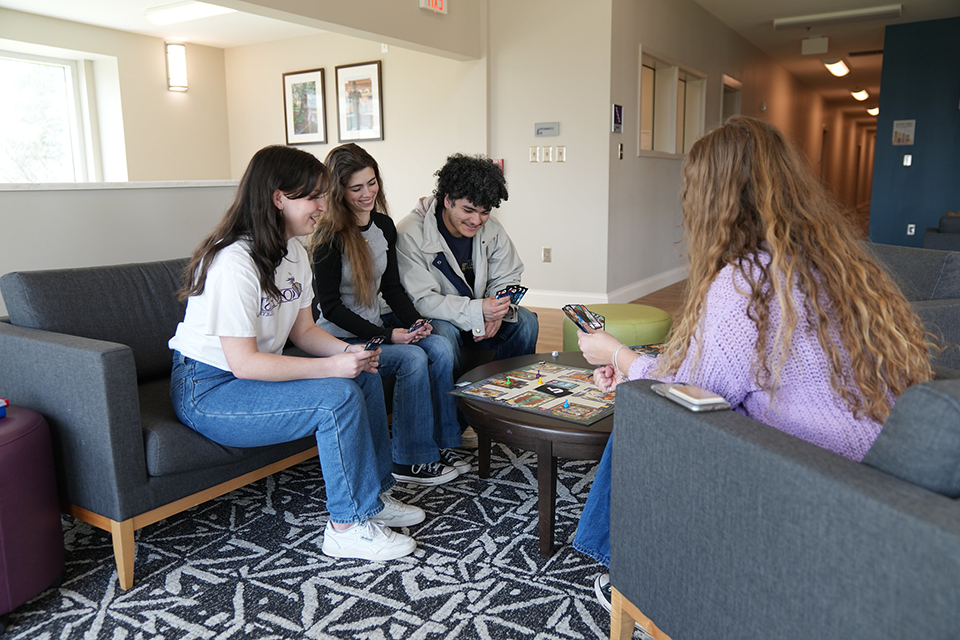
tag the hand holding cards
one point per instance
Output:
(373, 343)
(416, 325)
(515, 291)
(585, 319)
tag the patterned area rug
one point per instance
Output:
(248, 565)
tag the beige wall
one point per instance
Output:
(87, 227)
(549, 62)
(433, 106)
(643, 252)
(169, 136)
(457, 34)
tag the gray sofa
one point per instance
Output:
(930, 280)
(723, 527)
(87, 348)
(945, 236)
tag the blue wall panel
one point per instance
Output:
(920, 81)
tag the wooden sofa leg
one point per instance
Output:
(623, 615)
(124, 550)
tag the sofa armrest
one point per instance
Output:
(724, 527)
(87, 391)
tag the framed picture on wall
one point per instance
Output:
(359, 102)
(304, 107)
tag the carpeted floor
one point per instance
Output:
(248, 565)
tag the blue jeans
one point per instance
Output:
(347, 418)
(514, 338)
(593, 532)
(424, 414)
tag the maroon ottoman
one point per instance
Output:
(31, 540)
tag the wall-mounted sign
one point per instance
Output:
(541, 129)
(618, 118)
(903, 132)
(437, 6)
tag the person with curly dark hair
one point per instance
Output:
(454, 258)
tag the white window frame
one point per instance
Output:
(75, 111)
(731, 92)
(676, 125)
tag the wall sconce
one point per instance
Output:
(859, 94)
(176, 66)
(874, 111)
(836, 66)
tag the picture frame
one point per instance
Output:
(305, 107)
(359, 101)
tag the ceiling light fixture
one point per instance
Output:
(874, 111)
(859, 94)
(183, 11)
(837, 17)
(836, 66)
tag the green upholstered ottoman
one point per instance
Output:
(631, 324)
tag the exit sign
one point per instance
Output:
(437, 6)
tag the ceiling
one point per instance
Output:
(753, 19)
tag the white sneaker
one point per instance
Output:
(451, 458)
(368, 540)
(398, 514)
(469, 439)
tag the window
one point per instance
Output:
(671, 106)
(41, 140)
(730, 100)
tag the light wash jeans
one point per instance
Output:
(514, 338)
(347, 418)
(593, 532)
(424, 414)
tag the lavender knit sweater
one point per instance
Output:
(806, 405)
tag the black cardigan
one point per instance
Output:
(327, 272)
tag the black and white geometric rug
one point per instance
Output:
(248, 565)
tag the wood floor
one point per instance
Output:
(670, 299)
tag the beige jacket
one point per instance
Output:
(424, 260)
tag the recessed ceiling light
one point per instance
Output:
(874, 111)
(859, 94)
(836, 66)
(183, 11)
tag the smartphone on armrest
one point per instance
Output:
(691, 396)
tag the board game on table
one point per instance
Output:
(550, 389)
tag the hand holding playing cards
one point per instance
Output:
(606, 378)
(495, 308)
(598, 348)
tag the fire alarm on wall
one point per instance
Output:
(437, 6)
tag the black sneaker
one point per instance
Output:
(426, 474)
(451, 458)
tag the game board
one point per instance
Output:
(548, 388)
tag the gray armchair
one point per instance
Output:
(87, 348)
(723, 527)
(930, 280)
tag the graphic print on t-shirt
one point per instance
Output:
(288, 294)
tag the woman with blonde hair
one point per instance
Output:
(355, 262)
(787, 316)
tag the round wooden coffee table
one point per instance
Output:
(548, 437)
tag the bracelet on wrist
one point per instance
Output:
(346, 347)
(616, 367)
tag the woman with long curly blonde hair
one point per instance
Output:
(786, 316)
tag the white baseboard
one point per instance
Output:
(548, 299)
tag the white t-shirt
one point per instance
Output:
(232, 305)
